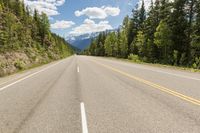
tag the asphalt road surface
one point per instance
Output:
(83, 94)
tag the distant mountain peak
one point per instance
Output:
(83, 41)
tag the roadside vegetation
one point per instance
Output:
(26, 39)
(168, 33)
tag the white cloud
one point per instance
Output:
(47, 6)
(89, 26)
(98, 13)
(62, 24)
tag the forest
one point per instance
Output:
(167, 33)
(26, 39)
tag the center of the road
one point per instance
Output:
(78, 69)
(83, 118)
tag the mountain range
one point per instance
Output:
(82, 41)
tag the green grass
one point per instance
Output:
(157, 65)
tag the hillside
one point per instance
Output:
(167, 33)
(26, 39)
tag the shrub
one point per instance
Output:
(19, 65)
(183, 59)
(196, 63)
(175, 57)
(134, 58)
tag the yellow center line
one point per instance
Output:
(154, 85)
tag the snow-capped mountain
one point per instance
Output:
(81, 41)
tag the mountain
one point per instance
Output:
(82, 41)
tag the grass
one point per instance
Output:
(157, 65)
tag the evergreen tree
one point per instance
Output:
(125, 37)
(36, 16)
(151, 24)
(92, 48)
(44, 27)
(111, 44)
(142, 16)
(165, 8)
(135, 27)
(123, 41)
(163, 39)
(18, 8)
(140, 43)
(195, 43)
(178, 25)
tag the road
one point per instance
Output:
(83, 94)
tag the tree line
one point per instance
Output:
(168, 33)
(22, 30)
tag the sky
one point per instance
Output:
(77, 17)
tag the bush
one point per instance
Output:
(19, 65)
(134, 58)
(175, 57)
(145, 59)
(196, 64)
(183, 59)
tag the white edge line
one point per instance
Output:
(31, 75)
(83, 118)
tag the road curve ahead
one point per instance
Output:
(84, 94)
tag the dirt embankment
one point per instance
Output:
(11, 62)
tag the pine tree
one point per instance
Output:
(44, 27)
(139, 17)
(92, 48)
(142, 15)
(178, 25)
(126, 37)
(36, 16)
(18, 8)
(123, 41)
(140, 43)
(135, 27)
(165, 8)
(195, 43)
(111, 45)
(101, 44)
(163, 39)
(151, 24)
(135, 20)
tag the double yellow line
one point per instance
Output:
(154, 85)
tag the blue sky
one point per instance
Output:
(75, 17)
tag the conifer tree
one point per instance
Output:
(163, 39)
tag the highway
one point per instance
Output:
(83, 94)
